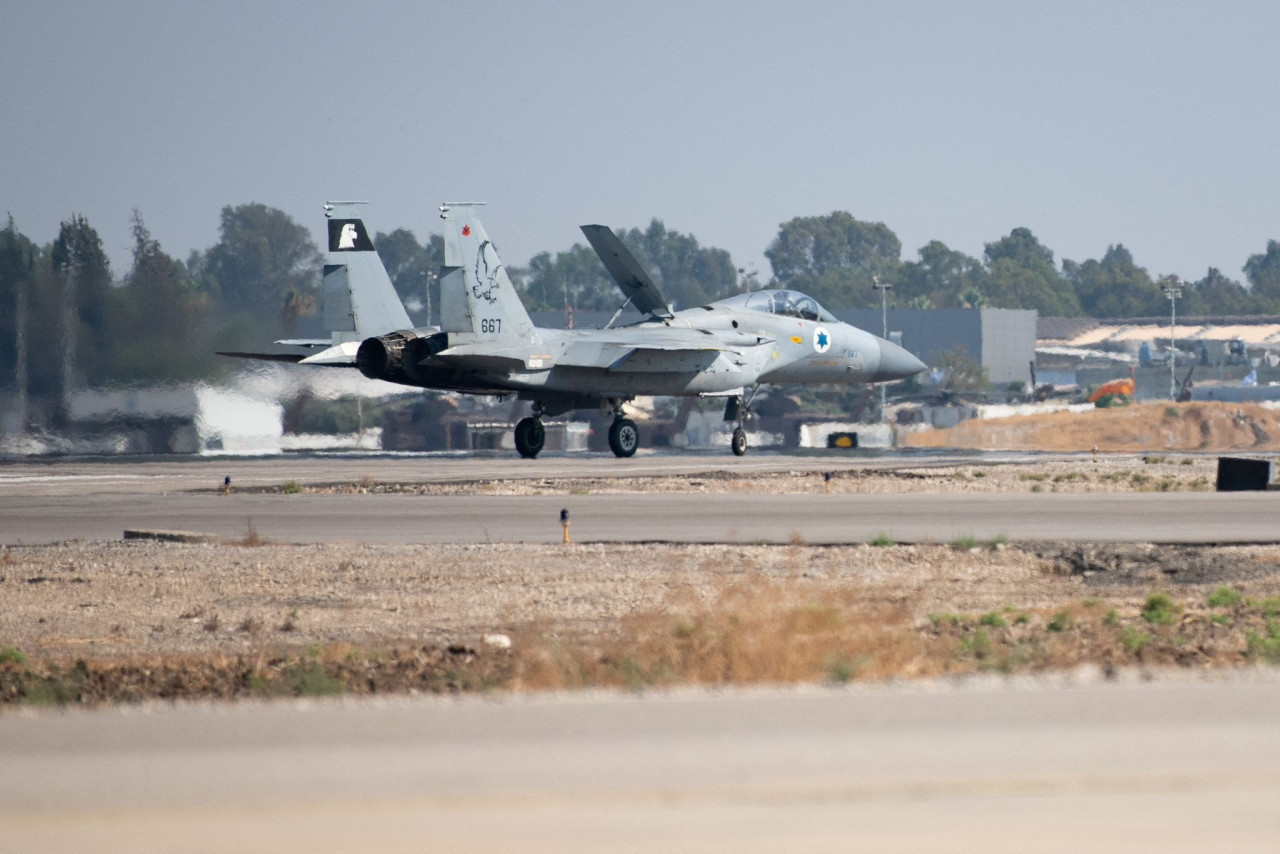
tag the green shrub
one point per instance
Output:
(291, 487)
(1061, 621)
(1160, 610)
(977, 644)
(881, 539)
(1265, 646)
(1225, 597)
(992, 619)
(12, 655)
(1134, 639)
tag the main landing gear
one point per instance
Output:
(530, 436)
(624, 438)
(739, 409)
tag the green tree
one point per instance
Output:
(834, 258)
(87, 297)
(19, 267)
(414, 269)
(688, 274)
(942, 278)
(1215, 294)
(263, 268)
(1021, 274)
(575, 276)
(1115, 286)
(960, 372)
(1263, 273)
(162, 329)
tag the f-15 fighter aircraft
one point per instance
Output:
(486, 343)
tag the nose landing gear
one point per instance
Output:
(738, 409)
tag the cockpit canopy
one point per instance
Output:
(786, 303)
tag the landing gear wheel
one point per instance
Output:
(624, 438)
(530, 436)
(739, 442)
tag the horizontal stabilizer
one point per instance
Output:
(266, 357)
(305, 342)
(339, 356)
(633, 279)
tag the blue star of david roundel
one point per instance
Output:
(821, 340)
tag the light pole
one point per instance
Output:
(1172, 291)
(884, 329)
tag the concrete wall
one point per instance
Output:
(1008, 344)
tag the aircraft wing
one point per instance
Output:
(633, 279)
(677, 358)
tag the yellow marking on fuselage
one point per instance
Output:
(796, 339)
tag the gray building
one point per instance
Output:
(1002, 339)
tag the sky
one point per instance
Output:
(1152, 124)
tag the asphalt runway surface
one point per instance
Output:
(994, 768)
(42, 503)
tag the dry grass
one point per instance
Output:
(758, 630)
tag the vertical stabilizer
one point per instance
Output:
(359, 299)
(476, 295)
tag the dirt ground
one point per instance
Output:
(1144, 427)
(91, 622)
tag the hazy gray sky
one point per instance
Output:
(1153, 124)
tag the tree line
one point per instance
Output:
(68, 321)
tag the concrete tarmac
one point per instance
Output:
(991, 767)
(125, 475)
(819, 518)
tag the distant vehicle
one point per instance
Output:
(486, 343)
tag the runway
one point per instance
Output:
(693, 518)
(139, 476)
(988, 768)
(51, 501)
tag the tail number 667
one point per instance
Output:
(490, 326)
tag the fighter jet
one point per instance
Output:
(486, 343)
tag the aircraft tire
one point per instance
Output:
(530, 436)
(739, 442)
(624, 438)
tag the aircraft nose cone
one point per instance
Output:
(895, 363)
